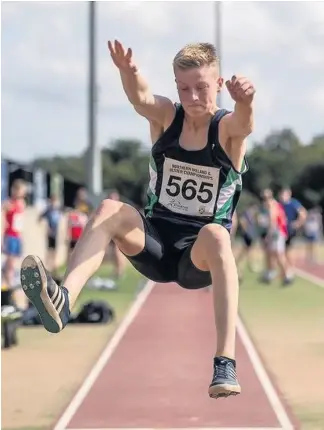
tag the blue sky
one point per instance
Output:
(279, 45)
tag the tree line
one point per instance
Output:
(280, 160)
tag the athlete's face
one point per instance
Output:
(198, 88)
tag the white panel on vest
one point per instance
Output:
(189, 189)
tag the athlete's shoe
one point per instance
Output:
(224, 381)
(50, 300)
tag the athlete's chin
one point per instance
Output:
(196, 110)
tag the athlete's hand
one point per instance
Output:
(122, 59)
(241, 89)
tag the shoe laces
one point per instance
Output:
(224, 369)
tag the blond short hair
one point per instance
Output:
(196, 55)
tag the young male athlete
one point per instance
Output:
(197, 159)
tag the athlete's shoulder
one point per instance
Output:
(222, 115)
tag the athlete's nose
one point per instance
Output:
(194, 96)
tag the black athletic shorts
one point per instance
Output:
(290, 238)
(248, 240)
(72, 244)
(51, 242)
(263, 236)
(166, 255)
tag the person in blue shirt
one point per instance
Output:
(52, 215)
(296, 216)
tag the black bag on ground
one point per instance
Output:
(98, 312)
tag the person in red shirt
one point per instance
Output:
(275, 239)
(78, 217)
(13, 211)
(76, 223)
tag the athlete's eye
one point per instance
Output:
(202, 87)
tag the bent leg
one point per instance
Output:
(112, 220)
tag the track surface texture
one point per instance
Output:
(159, 372)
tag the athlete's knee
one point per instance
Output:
(116, 216)
(109, 213)
(106, 210)
(215, 238)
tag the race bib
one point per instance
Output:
(188, 188)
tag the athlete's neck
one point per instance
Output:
(200, 121)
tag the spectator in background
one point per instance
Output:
(13, 212)
(248, 225)
(52, 215)
(263, 224)
(82, 203)
(313, 230)
(78, 218)
(296, 216)
(275, 239)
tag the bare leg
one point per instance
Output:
(18, 297)
(51, 260)
(240, 256)
(118, 262)
(112, 220)
(289, 261)
(9, 270)
(212, 251)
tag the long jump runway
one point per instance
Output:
(155, 372)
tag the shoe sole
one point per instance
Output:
(34, 283)
(223, 390)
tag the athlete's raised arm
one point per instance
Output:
(155, 108)
(239, 124)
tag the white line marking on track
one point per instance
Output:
(192, 428)
(263, 377)
(309, 277)
(104, 357)
(113, 344)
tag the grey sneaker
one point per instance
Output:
(224, 382)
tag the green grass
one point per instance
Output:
(23, 428)
(301, 300)
(286, 324)
(120, 297)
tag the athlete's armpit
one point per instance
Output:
(156, 131)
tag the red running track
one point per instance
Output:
(158, 375)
